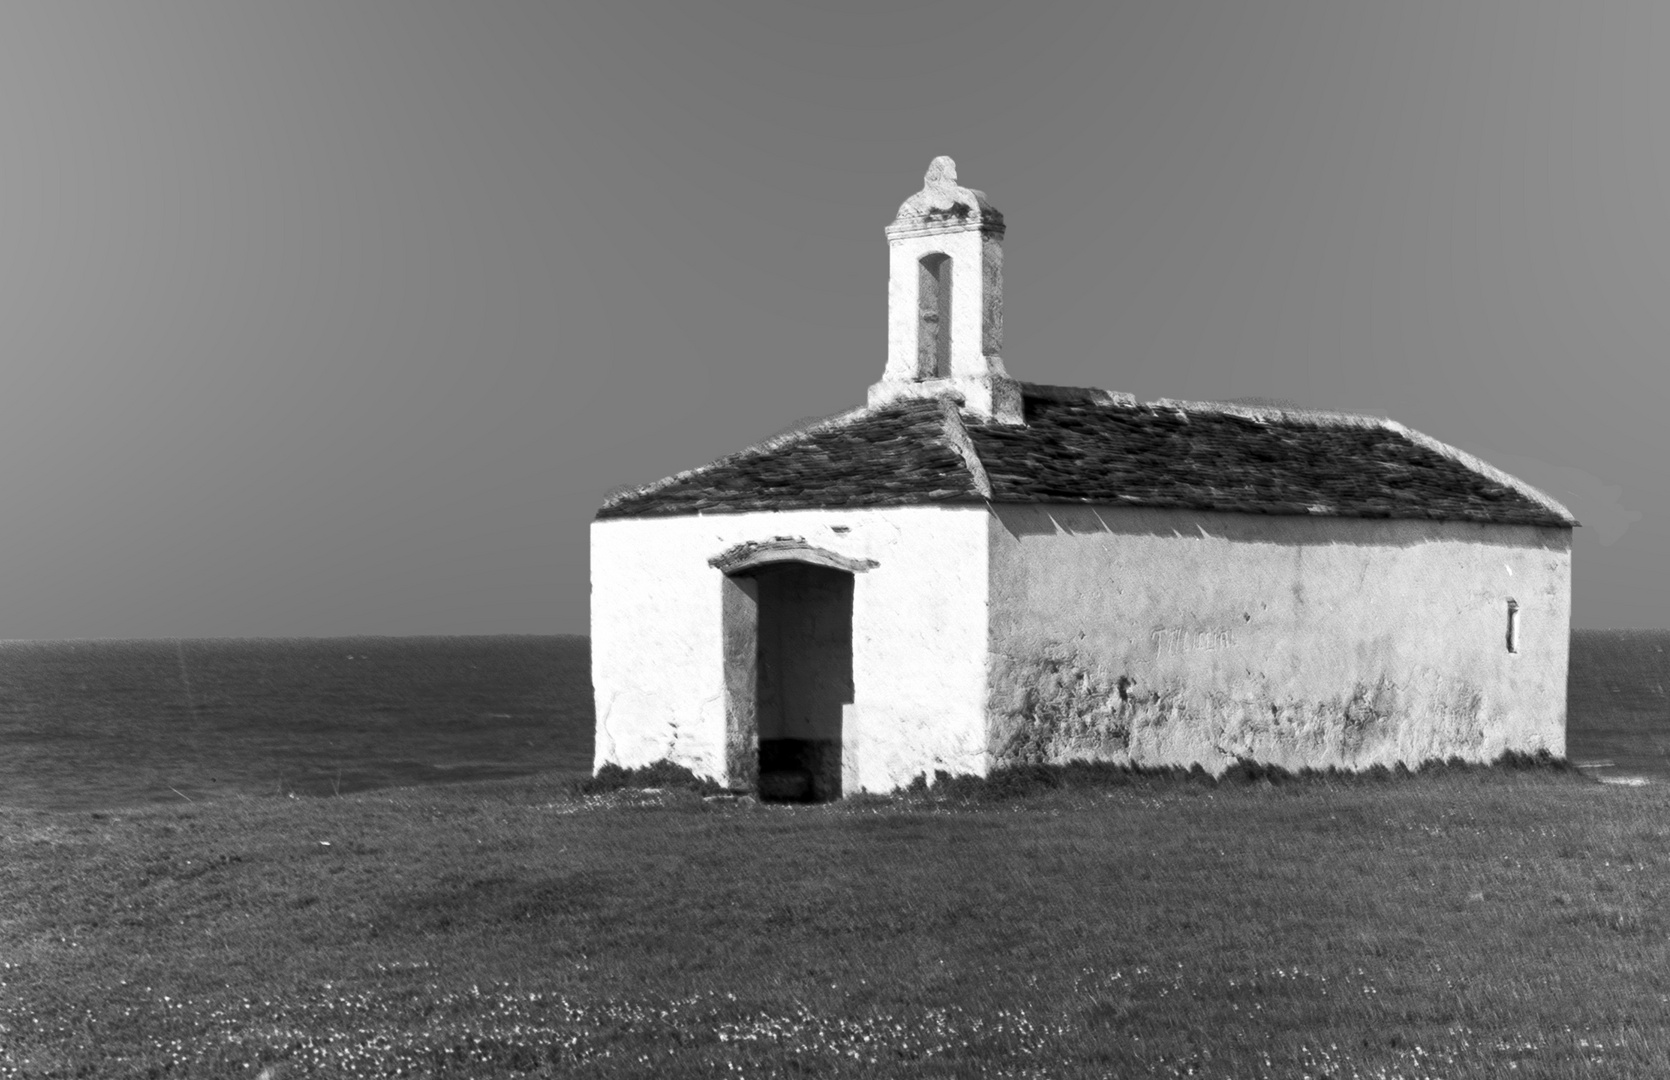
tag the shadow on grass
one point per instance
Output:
(660, 775)
(1023, 781)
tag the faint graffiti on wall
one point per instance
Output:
(1175, 640)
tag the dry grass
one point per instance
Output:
(1458, 923)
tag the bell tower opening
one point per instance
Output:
(933, 335)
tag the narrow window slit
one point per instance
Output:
(1513, 626)
(933, 338)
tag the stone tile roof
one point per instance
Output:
(1090, 446)
(890, 456)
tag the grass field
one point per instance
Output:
(1475, 923)
(1455, 923)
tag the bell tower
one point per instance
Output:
(945, 300)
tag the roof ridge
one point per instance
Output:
(1092, 395)
(1483, 468)
(764, 446)
(956, 433)
(1266, 413)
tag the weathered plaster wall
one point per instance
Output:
(918, 629)
(1174, 637)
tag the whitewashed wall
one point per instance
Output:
(1175, 637)
(919, 637)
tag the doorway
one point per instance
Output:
(788, 675)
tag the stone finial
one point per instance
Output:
(942, 172)
(943, 205)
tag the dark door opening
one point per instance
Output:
(791, 680)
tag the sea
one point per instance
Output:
(111, 723)
(97, 724)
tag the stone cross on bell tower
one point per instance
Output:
(945, 300)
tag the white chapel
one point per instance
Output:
(970, 571)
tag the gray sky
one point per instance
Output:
(343, 316)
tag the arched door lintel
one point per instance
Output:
(754, 554)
